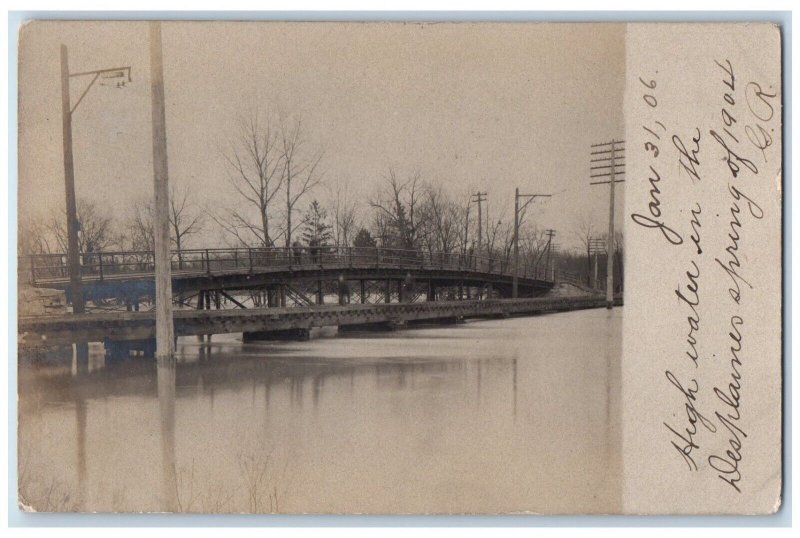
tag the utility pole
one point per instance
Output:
(519, 215)
(466, 228)
(607, 165)
(596, 246)
(550, 234)
(73, 256)
(165, 333)
(479, 198)
(67, 110)
(556, 250)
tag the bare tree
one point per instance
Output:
(443, 219)
(96, 229)
(301, 170)
(185, 219)
(463, 232)
(585, 231)
(33, 237)
(344, 216)
(140, 227)
(398, 210)
(497, 235)
(255, 159)
(532, 244)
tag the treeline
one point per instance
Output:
(282, 198)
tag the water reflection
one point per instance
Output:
(502, 415)
(166, 403)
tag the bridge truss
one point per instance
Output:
(206, 279)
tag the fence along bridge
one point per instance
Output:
(280, 293)
(281, 277)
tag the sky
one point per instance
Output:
(470, 106)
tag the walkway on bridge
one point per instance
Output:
(303, 276)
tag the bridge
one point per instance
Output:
(282, 277)
(282, 294)
(138, 328)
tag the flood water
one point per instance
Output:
(514, 415)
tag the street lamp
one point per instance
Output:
(122, 75)
(519, 214)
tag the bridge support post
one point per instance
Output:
(320, 296)
(431, 296)
(363, 293)
(460, 291)
(388, 292)
(200, 303)
(282, 290)
(400, 294)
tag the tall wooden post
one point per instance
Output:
(73, 254)
(165, 381)
(480, 222)
(165, 334)
(611, 171)
(610, 244)
(515, 281)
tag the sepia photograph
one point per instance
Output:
(369, 268)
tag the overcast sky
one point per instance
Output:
(471, 106)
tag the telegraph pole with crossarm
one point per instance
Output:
(479, 198)
(606, 161)
(123, 76)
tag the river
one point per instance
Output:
(511, 415)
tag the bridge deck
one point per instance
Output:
(68, 329)
(110, 274)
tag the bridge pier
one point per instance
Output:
(380, 326)
(453, 320)
(274, 298)
(297, 334)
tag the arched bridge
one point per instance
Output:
(258, 277)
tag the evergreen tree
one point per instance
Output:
(364, 239)
(316, 230)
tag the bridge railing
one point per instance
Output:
(103, 265)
